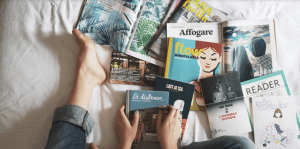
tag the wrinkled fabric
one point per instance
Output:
(38, 64)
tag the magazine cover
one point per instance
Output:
(275, 125)
(125, 69)
(147, 103)
(209, 32)
(249, 48)
(188, 11)
(116, 23)
(180, 96)
(225, 105)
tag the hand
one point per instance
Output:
(88, 66)
(124, 130)
(93, 146)
(168, 132)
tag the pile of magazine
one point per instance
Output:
(229, 67)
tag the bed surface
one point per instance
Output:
(38, 59)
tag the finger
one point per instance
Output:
(135, 120)
(171, 113)
(79, 36)
(177, 114)
(93, 146)
(158, 120)
(122, 117)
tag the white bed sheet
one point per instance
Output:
(38, 60)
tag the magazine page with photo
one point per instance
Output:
(275, 125)
(249, 48)
(126, 69)
(225, 105)
(188, 11)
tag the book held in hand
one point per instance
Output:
(148, 104)
(275, 125)
(180, 94)
(226, 110)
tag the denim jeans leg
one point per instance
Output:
(225, 142)
(71, 124)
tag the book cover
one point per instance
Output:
(249, 48)
(225, 105)
(275, 125)
(126, 69)
(273, 84)
(188, 11)
(191, 60)
(180, 94)
(147, 103)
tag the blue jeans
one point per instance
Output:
(71, 124)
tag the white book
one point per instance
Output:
(275, 125)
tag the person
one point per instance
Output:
(72, 122)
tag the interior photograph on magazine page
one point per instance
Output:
(126, 69)
(249, 48)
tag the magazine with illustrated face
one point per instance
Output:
(275, 125)
(225, 105)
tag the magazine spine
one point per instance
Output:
(168, 58)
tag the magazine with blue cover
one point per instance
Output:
(123, 25)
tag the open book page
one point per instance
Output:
(148, 23)
(110, 22)
(188, 11)
(249, 48)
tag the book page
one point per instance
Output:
(109, 22)
(152, 14)
(249, 48)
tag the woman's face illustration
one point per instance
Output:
(209, 60)
(277, 115)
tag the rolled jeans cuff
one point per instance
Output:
(75, 115)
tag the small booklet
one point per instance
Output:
(123, 25)
(180, 96)
(226, 110)
(126, 69)
(275, 125)
(147, 103)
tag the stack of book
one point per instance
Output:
(197, 59)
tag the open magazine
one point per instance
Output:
(124, 25)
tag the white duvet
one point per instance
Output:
(38, 60)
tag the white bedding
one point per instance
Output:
(38, 60)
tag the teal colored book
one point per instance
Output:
(148, 104)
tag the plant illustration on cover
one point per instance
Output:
(109, 22)
(151, 17)
(276, 133)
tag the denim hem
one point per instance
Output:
(75, 115)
